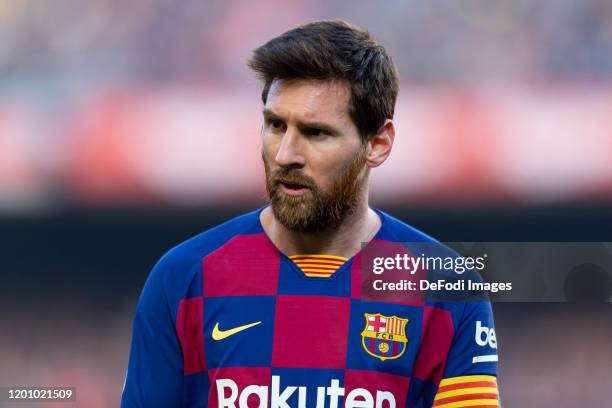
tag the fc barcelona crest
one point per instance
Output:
(384, 337)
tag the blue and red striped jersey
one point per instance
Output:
(227, 320)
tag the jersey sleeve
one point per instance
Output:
(470, 376)
(155, 370)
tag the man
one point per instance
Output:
(268, 309)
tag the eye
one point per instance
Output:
(311, 131)
(276, 124)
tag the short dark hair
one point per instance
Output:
(334, 50)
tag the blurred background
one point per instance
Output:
(127, 127)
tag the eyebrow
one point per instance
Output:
(268, 114)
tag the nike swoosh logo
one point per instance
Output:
(218, 334)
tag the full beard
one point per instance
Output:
(316, 210)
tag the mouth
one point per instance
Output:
(293, 189)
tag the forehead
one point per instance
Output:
(310, 99)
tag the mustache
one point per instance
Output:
(292, 176)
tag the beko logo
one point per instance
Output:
(485, 336)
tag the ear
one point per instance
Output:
(380, 144)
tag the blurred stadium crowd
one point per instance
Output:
(441, 40)
(112, 102)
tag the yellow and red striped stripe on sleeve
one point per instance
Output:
(474, 391)
(315, 265)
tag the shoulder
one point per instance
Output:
(177, 274)
(441, 263)
(393, 229)
(197, 247)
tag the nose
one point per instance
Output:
(289, 152)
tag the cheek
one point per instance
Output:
(269, 145)
(326, 168)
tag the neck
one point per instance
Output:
(359, 226)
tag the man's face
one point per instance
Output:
(313, 155)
